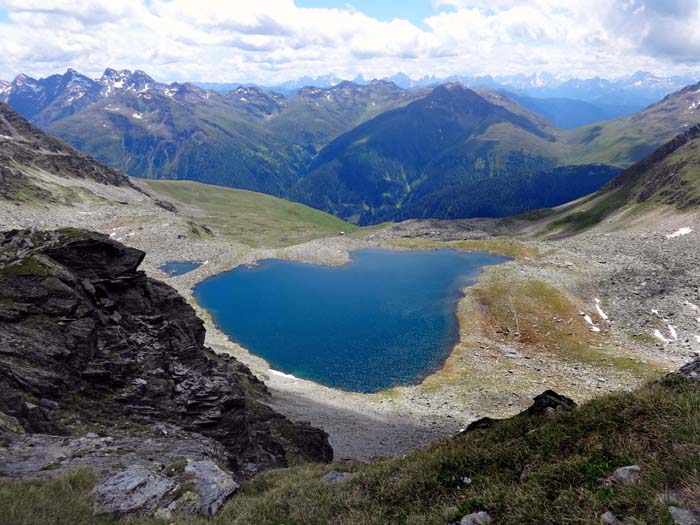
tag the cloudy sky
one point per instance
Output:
(269, 41)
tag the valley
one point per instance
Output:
(600, 297)
(539, 340)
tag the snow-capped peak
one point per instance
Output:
(115, 81)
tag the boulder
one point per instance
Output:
(212, 485)
(136, 490)
(9, 424)
(481, 423)
(690, 370)
(549, 402)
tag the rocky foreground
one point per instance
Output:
(104, 367)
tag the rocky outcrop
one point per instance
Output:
(548, 403)
(88, 342)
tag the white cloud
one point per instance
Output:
(273, 40)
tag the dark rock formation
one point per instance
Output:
(545, 404)
(690, 370)
(549, 402)
(89, 342)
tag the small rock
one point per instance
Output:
(609, 519)
(476, 518)
(91, 435)
(670, 497)
(466, 480)
(626, 474)
(684, 516)
(336, 477)
(163, 514)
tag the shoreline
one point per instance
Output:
(460, 293)
(472, 382)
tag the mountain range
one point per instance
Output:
(568, 103)
(365, 152)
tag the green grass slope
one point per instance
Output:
(670, 176)
(253, 218)
(536, 470)
(624, 141)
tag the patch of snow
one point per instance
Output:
(672, 331)
(697, 338)
(680, 233)
(112, 235)
(656, 313)
(660, 337)
(600, 311)
(588, 319)
(137, 115)
(282, 374)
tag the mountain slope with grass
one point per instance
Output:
(42, 175)
(628, 456)
(624, 141)
(183, 133)
(449, 154)
(669, 177)
(26, 151)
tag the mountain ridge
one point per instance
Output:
(259, 140)
(438, 144)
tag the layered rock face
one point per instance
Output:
(88, 343)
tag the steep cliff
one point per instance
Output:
(88, 342)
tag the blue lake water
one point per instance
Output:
(174, 268)
(387, 318)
